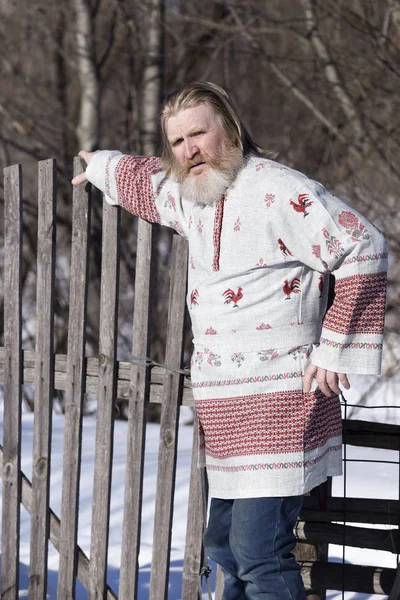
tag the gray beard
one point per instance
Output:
(207, 189)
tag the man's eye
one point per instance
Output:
(176, 143)
(198, 132)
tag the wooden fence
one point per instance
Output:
(139, 382)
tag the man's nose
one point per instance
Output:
(191, 148)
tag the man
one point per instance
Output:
(268, 356)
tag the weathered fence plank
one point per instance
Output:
(12, 382)
(105, 402)
(44, 375)
(169, 425)
(74, 392)
(219, 585)
(193, 559)
(139, 392)
(54, 535)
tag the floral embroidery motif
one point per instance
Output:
(212, 358)
(170, 201)
(298, 351)
(237, 225)
(210, 331)
(316, 250)
(262, 326)
(190, 222)
(333, 244)
(197, 360)
(353, 226)
(238, 358)
(269, 199)
(200, 226)
(268, 354)
(177, 226)
(259, 166)
(192, 265)
(261, 263)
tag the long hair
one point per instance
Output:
(215, 96)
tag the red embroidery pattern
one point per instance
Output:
(333, 244)
(194, 297)
(283, 248)
(244, 380)
(261, 263)
(210, 331)
(275, 423)
(231, 296)
(354, 345)
(269, 199)
(291, 288)
(134, 187)
(237, 225)
(219, 215)
(293, 464)
(366, 258)
(263, 326)
(303, 202)
(359, 305)
(177, 226)
(353, 226)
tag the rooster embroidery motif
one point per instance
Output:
(194, 297)
(303, 202)
(284, 249)
(231, 296)
(291, 288)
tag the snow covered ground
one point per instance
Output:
(369, 480)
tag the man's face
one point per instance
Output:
(197, 140)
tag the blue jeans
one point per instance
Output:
(251, 539)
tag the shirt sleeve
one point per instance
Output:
(330, 237)
(126, 181)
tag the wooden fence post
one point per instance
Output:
(105, 402)
(172, 391)
(12, 382)
(75, 389)
(139, 391)
(44, 377)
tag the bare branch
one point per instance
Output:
(330, 70)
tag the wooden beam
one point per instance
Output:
(352, 578)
